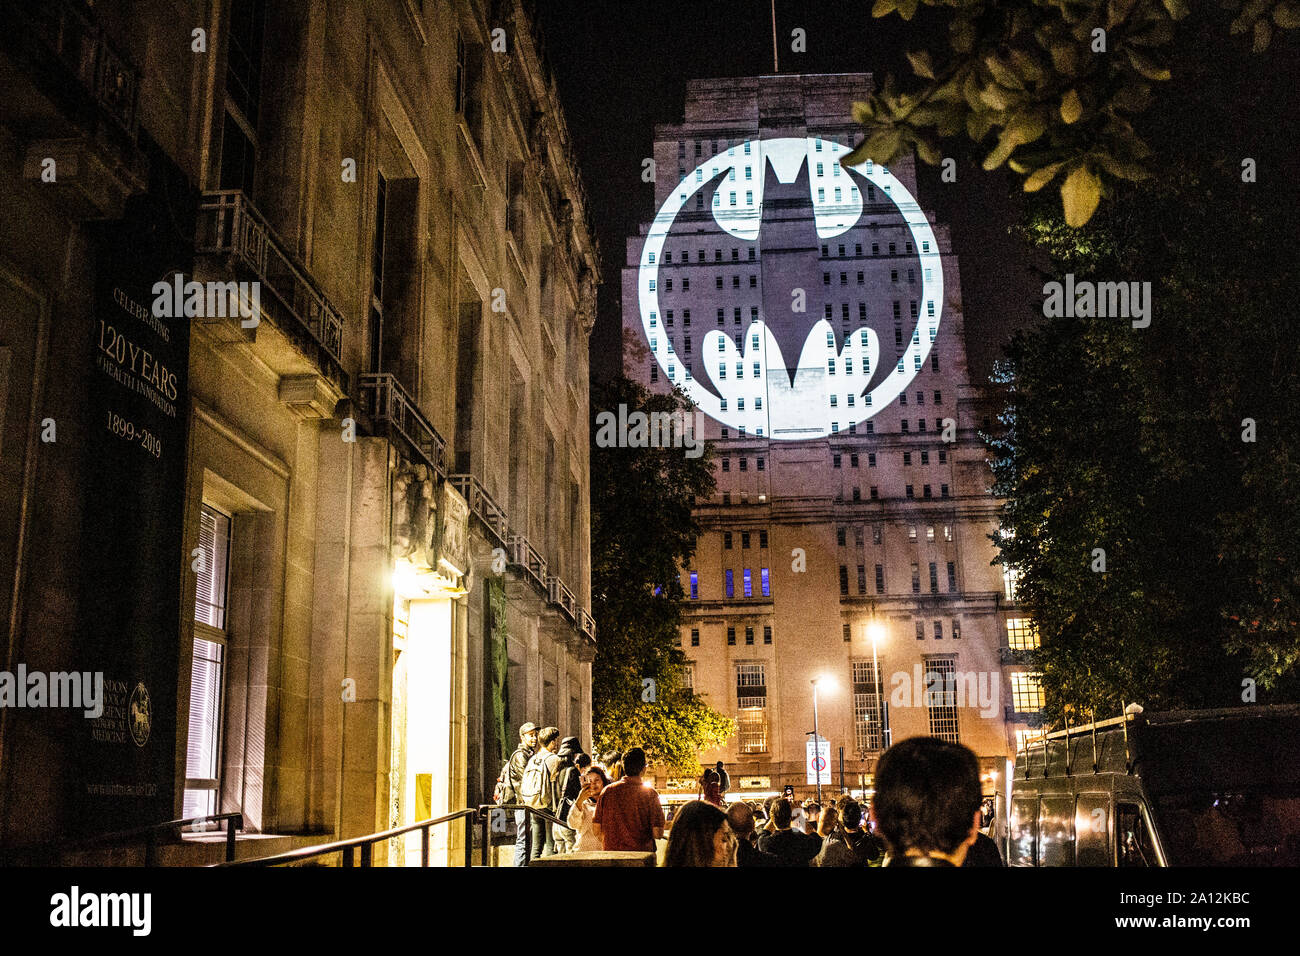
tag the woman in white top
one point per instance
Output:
(584, 808)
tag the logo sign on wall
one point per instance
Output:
(774, 369)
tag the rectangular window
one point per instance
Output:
(844, 579)
(748, 580)
(880, 579)
(952, 577)
(767, 633)
(938, 630)
(920, 630)
(862, 579)
(956, 629)
(730, 582)
(744, 535)
(941, 698)
(916, 578)
(695, 637)
(207, 675)
(1026, 692)
(934, 578)
(695, 586)
(726, 537)
(749, 635)
(731, 637)
(762, 535)
(1022, 634)
(751, 706)
(848, 637)
(765, 582)
(868, 708)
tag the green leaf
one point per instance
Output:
(1287, 14)
(907, 8)
(1080, 194)
(921, 65)
(997, 97)
(1177, 9)
(961, 35)
(1263, 36)
(1022, 128)
(864, 112)
(1121, 168)
(883, 8)
(1003, 73)
(1147, 66)
(883, 146)
(1041, 177)
(1065, 57)
(1071, 107)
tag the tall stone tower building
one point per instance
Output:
(813, 313)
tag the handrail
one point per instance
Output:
(234, 823)
(366, 843)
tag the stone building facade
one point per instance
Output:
(322, 524)
(848, 539)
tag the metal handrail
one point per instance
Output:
(366, 844)
(348, 848)
(234, 823)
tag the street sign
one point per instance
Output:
(818, 762)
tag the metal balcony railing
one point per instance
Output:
(229, 224)
(559, 594)
(586, 623)
(68, 30)
(395, 413)
(483, 507)
(524, 555)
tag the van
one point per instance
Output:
(1180, 788)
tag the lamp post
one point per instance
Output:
(817, 745)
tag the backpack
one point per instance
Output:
(535, 790)
(504, 790)
(568, 784)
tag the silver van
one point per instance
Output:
(1180, 788)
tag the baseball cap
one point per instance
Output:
(527, 728)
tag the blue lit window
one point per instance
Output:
(749, 583)
(766, 585)
(730, 583)
(695, 586)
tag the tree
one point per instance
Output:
(643, 533)
(1057, 83)
(1135, 441)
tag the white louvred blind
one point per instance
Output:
(210, 590)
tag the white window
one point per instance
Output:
(203, 751)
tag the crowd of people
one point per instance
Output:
(926, 810)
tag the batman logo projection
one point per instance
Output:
(781, 360)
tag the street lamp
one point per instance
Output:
(817, 737)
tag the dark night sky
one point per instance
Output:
(622, 67)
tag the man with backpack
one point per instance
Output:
(568, 784)
(511, 780)
(538, 790)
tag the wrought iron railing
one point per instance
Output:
(524, 555)
(385, 400)
(483, 507)
(586, 623)
(229, 224)
(559, 594)
(68, 30)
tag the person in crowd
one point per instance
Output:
(834, 850)
(798, 817)
(613, 762)
(868, 849)
(580, 815)
(629, 815)
(538, 790)
(791, 847)
(724, 779)
(740, 816)
(983, 852)
(567, 781)
(927, 802)
(700, 836)
(711, 789)
(768, 825)
(518, 761)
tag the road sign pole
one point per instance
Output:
(817, 746)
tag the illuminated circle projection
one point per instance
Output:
(797, 407)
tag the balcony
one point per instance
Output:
(71, 96)
(524, 555)
(397, 418)
(232, 228)
(558, 593)
(483, 507)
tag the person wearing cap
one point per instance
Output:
(568, 783)
(518, 760)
